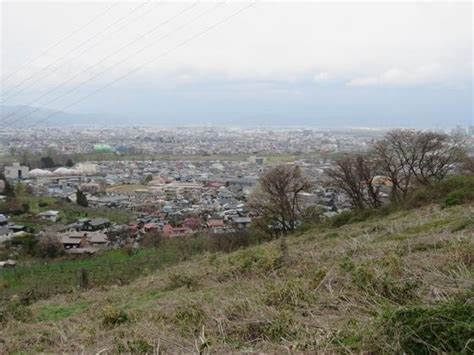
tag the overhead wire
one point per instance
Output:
(181, 12)
(203, 13)
(13, 113)
(181, 44)
(6, 97)
(95, 18)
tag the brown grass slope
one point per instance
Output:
(340, 292)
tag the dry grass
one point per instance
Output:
(332, 296)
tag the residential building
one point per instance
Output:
(16, 172)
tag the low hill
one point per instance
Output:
(24, 116)
(400, 283)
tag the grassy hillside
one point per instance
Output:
(403, 282)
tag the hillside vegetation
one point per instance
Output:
(402, 282)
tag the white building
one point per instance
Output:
(16, 172)
(52, 216)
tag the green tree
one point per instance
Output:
(8, 190)
(69, 163)
(20, 189)
(147, 179)
(47, 162)
(81, 199)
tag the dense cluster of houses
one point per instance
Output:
(182, 140)
(173, 198)
(88, 235)
(176, 198)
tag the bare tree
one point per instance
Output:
(438, 153)
(394, 166)
(277, 198)
(354, 174)
(412, 157)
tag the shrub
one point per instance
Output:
(452, 191)
(445, 328)
(341, 219)
(15, 309)
(289, 294)
(49, 247)
(257, 260)
(354, 216)
(382, 284)
(27, 242)
(128, 249)
(228, 242)
(420, 197)
(13, 207)
(462, 224)
(152, 240)
(42, 204)
(111, 317)
(279, 326)
(189, 317)
(458, 197)
(238, 310)
(181, 280)
(26, 207)
(135, 346)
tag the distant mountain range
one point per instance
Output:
(14, 117)
(24, 116)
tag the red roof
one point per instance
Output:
(150, 226)
(192, 222)
(167, 229)
(215, 223)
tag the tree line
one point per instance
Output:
(405, 159)
(402, 160)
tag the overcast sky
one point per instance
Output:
(313, 63)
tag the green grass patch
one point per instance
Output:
(445, 328)
(53, 313)
(462, 224)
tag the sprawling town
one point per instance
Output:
(176, 182)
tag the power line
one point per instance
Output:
(153, 29)
(125, 59)
(4, 118)
(58, 60)
(95, 18)
(121, 61)
(181, 44)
